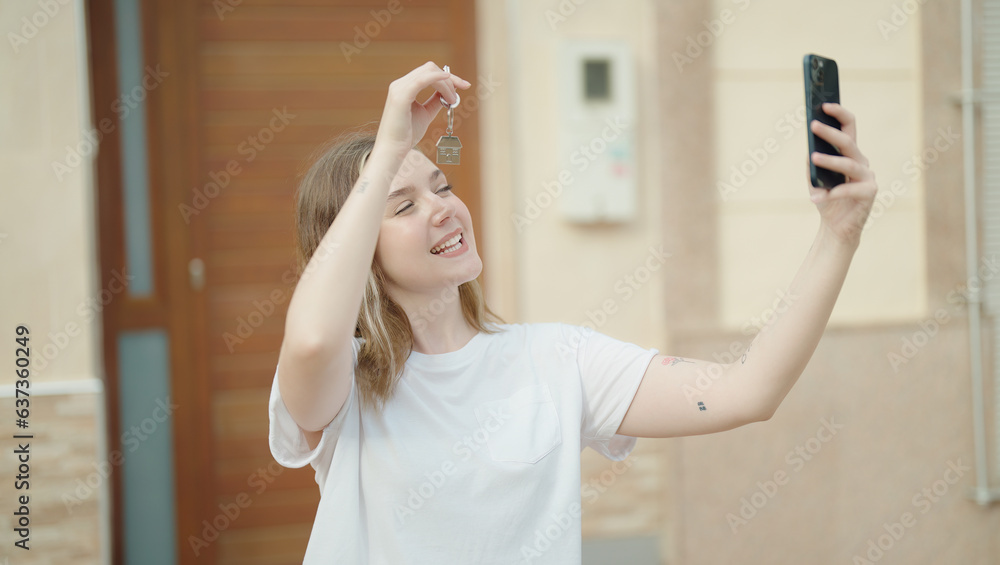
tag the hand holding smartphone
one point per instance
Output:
(821, 85)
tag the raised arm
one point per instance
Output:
(315, 361)
(679, 397)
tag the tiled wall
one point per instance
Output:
(68, 483)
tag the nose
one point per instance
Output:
(443, 209)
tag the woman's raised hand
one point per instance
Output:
(404, 119)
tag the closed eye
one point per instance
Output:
(446, 188)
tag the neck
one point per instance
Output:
(437, 321)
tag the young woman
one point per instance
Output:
(440, 434)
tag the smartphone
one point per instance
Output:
(822, 85)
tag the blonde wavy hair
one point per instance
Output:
(382, 323)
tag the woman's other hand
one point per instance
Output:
(843, 209)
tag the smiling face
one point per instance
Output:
(425, 243)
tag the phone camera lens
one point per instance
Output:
(817, 77)
(815, 63)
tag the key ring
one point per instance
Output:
(449, 148)
(458, 98)
(451, 107)
(444, 102)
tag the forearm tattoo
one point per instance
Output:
(671, 361)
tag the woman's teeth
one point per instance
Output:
(447, 247)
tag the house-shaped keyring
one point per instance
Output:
(449, 150)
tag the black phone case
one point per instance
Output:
(822, 85)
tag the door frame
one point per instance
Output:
(172, 307)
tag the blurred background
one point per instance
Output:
(638, 166)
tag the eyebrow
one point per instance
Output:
(409, 188)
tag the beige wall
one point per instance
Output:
(521, 154)
(767, 225)
(47, 244)
(734, 252)
(48, 221)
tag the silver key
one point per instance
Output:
(449, 148)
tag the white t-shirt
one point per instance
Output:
(476, 456)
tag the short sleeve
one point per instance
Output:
(610, 372)
(288, 442)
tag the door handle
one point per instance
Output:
(196, 273)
